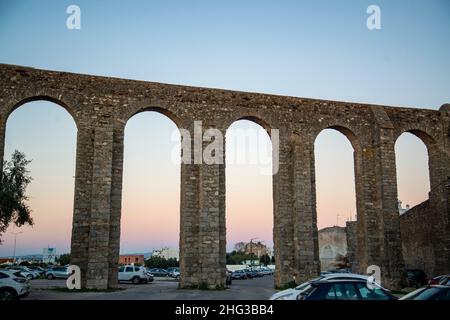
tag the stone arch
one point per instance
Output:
(164, 111)
(253, 118)
(58, 101)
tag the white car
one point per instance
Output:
(291, 294)
(24, 271)
(13, 285)
(134, 274)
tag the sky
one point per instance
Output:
(318, 49)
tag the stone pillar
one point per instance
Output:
(391, 259)
(378, 226)
(116, 205)
(97, 273)
(202, 233)
(82, 200)
(283, 227)
(306, 244)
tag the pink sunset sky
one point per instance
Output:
(150, 214)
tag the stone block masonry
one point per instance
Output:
(101, 106)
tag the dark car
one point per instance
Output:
(335, 289)
(416, 278)
(157, 272)
(443, 280)
(239, 274)
(438, 292)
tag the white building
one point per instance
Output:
(166, 253)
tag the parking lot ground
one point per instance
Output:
(252, 289)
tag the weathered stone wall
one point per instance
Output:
(351, 232)
(417, 229)
(332, 242)
(101, 107)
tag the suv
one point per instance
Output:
(133, 273)
(57, 272)
(13, 285)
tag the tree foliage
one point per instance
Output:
(64, 259)
(13, 183)
(161, 262)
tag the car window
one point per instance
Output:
(136, 268)
(3, 276)
(129, 269)
(331, 294)
(427, 294)
(374, 293)
(443, 296)
(345, 291)
(121, 269)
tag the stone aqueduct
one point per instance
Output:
(101, 107)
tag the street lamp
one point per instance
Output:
(15, 243)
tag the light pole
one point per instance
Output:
(15, 243)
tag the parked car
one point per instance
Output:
(134, 274)
(27, 273)
(57, 273)
(13, 285)
(292, 293)
(37, 269)
(435, 292)
(340, 289)
(150, 276)
(174, 272)
(443, 280)
(158, 272)
(416, 278)
(239, 274)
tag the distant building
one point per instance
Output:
(6, 260)
(402, 210)
(167, 253)
(257, 248)
(332, 244)
(131, 259)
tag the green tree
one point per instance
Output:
(264, 259)
(64, 259)
(13, 183)
(161, 262)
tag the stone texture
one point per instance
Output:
(101, 106)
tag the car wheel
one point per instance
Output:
(50, 276)
(136, 280)
(8, 294)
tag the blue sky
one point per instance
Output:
(318, 49)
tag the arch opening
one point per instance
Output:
(45, 131)
(335, 158)
(249, 200)
(150, 219)
(412, 167)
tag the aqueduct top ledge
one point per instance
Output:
(95, 98)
